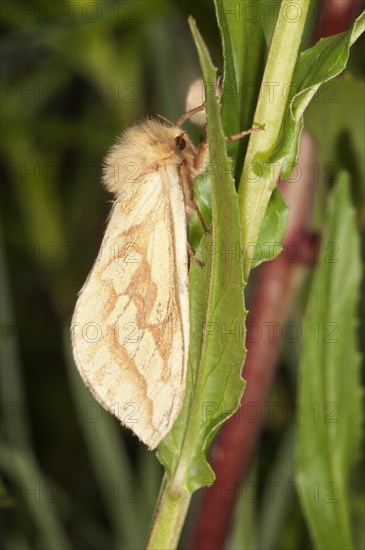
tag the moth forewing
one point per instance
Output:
(130, 329)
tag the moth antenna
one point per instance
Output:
(166, 119)
(190, 113)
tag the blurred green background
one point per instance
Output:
(74, 75)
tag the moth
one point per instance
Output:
(130, 328)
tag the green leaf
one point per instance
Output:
(330, 397)
(214, 386)
(243, 53)
(338, 113)
(272, 231)
(202, 195)
(315, 66)
(261, 172)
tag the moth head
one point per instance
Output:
(183, 146)
(142, 149)
(180, 141)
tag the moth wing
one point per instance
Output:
(130, 329)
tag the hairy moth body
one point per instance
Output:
(130, 329)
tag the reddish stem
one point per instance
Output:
(336, 16)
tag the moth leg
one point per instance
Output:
(188, 190)
(193, 258)
(244, 133)
(201, 153)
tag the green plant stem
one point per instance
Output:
(169, 518)
(175, 497)
(257, 185)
